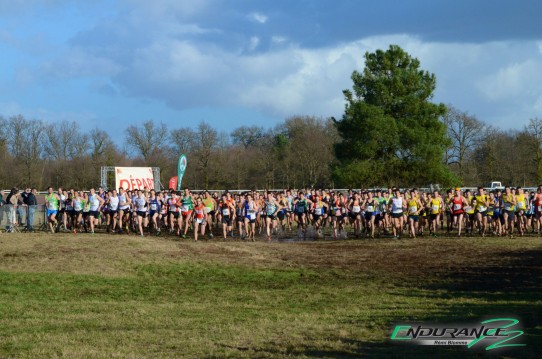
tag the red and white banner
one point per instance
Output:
(131, 178)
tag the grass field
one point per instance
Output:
(82, 296)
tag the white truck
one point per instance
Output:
(494, 185)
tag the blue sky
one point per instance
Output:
(120, 62)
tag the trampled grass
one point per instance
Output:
(128, 297)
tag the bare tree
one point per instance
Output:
(247, 136)
(148, 139)
(465, 132)
(25, 144)
(205, 143)
(311, 146)
(101, 145)
(63, 141)
(183, 138)
(534, 129)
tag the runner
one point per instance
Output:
(469, 212)
(62, 226)
(397, 206)
(52, 203)
(113, 211)
(520, 211)
(227, 211)
(301, 205)
(370, 205)
(86, 211)
(174, 202)
(459, 203)
(240, 214)
(250, 210)
(448, 208)
(481, 210)
(529, 214)
(124, 210)
(319, 208)
(210, 210)
(199, 218)
(141, 205)
(77, 215)
(498, 213)
(281, 215)
(155, 208)
(271, 209)
(414, 206)
(69, 211)
(96, 202)
(538, 208)
(354, 206)
(437, 208)
(187, 207)
(510, 202)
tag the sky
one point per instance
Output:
(116, 63)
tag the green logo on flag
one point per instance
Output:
(183, 162)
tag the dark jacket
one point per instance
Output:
(30, 199)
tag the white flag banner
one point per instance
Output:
(131, 178)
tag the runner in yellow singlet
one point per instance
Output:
(509, 203)
(482, 205)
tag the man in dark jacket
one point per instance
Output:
(32, 204)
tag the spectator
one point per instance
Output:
(11, 204)
(31, 202)
(2, 206)
(21, 207)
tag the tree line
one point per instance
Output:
(297, 152)
(391, 134)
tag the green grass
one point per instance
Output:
(122, 297)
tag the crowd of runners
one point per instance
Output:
(312, 213)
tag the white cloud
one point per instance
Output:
(164, 54)
(538, 107)
(166, 9)
(294, 80)
(78, 63)
(257, 17)
(12, 108)
(253, 43)
(278, 39)
(514, 80)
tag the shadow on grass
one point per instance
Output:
(362, 349)
(510, 288)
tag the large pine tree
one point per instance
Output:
(391, 131)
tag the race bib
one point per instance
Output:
(318, 211)
(457, 207)
(370, 209)
(507, 206)
(436, 208)
(226, 212)
(482, 209)
(356, 209)
(153, 207)
(412, 209)
(184, 208)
